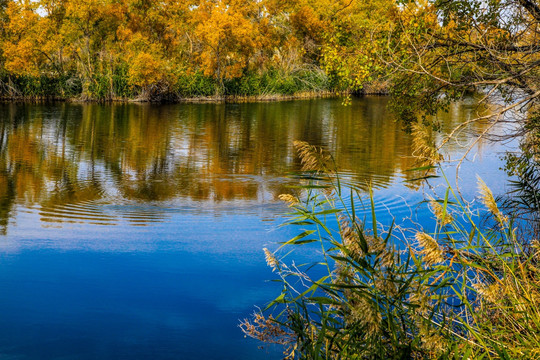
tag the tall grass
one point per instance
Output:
(464, 289)
(115, 85)
(39, 87)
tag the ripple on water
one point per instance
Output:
(81, 212)
(393, 203)
(98, 212)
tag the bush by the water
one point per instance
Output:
(468, 288)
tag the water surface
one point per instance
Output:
(135, 231)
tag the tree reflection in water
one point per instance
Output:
(68, 160)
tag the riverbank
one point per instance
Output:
(198, 99)
(304, 95)
(190, 89)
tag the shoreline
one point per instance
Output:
(227, 99)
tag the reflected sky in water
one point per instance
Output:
(135, 231)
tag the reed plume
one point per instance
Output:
(349, 237)
(271, 260)
(265, 329)
(489, 202)
(366, 313)
(291, 200)
(433, 254)
(443, 217)
(311, 157)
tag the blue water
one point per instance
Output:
(137, 232)
(170, 291)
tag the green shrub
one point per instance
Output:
(41, 87)
(116, 85)
(247, 85)
(195, 84)
(121, 87)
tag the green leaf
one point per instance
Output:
(296, 238)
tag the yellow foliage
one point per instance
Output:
(151, 42)
(228, 35)
(145, 69)
(20, 44)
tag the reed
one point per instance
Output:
(466, 289)
(114, 85)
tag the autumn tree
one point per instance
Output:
(341, 37)
(463, 46)
(89, 30)
(228, 35)
(25, 43)
(359, 29)
(154, 43)
(486, 47)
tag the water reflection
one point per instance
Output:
(89, 162)
(206, 177)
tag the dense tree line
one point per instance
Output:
(106, 49)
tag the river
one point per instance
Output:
(135, 231)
